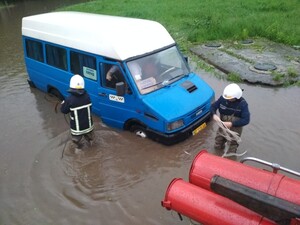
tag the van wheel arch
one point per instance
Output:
(31, 84)
(137, 128)
(56, 93)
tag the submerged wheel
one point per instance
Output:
(56, 93)
(139, 131)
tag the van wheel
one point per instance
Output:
(139, 131)
(56, 93)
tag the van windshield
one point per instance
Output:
(155, 71)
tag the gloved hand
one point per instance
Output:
(228, 124)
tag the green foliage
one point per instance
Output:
(234, 77)
(197, 21)
(278, 76)
(289, 79)
(297, 83)
(245, 34)
(292, 73)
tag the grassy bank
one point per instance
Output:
(196, 21)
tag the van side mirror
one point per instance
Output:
(120, 88)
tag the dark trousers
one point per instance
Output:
(89, 137)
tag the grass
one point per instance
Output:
(198, 21)
(192, 22)
(233, 77)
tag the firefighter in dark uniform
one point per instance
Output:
(234, 113)
(78, 105)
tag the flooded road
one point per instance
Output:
(122, 178)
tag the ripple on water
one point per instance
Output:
(12, 84)
(84, 178)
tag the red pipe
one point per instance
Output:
(207, 207)
(206, 165)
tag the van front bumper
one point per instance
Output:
(170, 139)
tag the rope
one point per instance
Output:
(229, 135)
(57, 103)
(63, 151)
(232, 154)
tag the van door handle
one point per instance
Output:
(102, 94)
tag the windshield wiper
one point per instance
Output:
(152, 85)
(181, 75)
(166, 82)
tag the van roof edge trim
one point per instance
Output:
(115, 37)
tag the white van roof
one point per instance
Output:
(115, 37)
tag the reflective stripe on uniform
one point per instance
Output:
(77, 131)
(80, 132)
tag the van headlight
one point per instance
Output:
(175, 125)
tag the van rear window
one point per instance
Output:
(56, 57)
(34, 50)
(84, 65)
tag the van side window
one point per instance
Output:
(84, 65)
(112, 74)
(56, 57)
(34, 50)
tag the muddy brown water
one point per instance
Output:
(122, 178)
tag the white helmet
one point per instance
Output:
(232, 91)
(77, 82)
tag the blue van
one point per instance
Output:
(133, 70)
